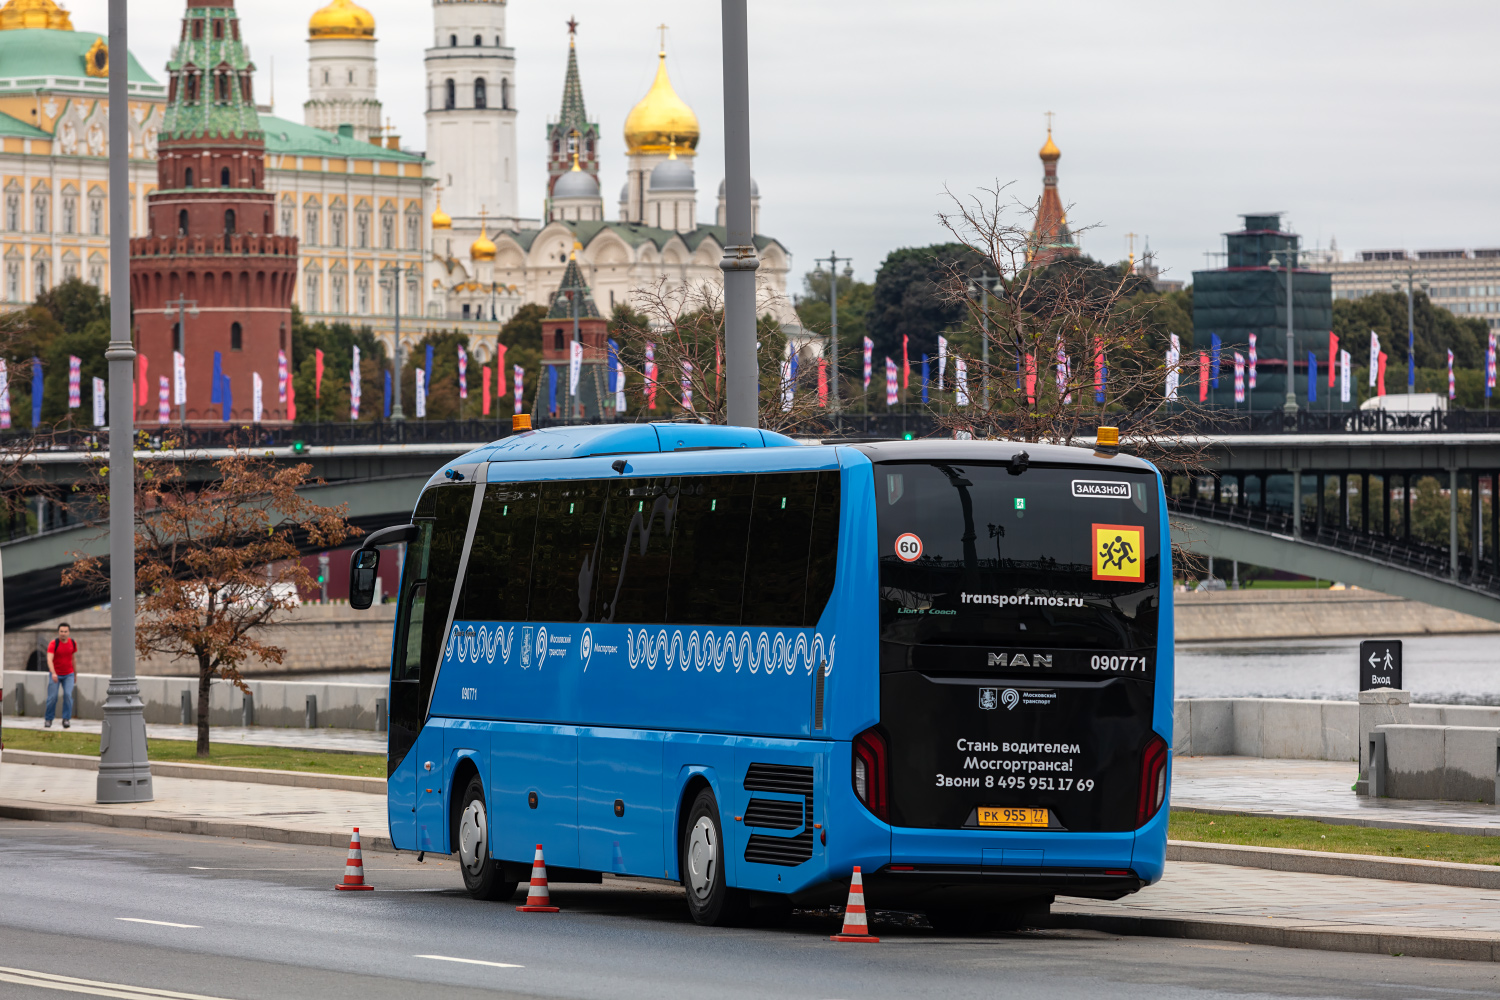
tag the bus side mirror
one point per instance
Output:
(362, 572)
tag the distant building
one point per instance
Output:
(1246, 297)
(1466, 282)
(1050, 237)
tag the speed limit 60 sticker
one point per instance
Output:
(908, 547)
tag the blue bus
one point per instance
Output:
(714, 656)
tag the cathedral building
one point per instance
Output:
(1050, 237)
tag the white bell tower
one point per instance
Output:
(471, 112)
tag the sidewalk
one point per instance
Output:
(339, 740)
(1314, 789)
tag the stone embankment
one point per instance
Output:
(1314, 614)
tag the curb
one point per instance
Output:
(197, 827)
(1373, 940)
(1373, 824)
(210, 772)
(1283, 859)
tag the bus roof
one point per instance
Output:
(943, 449)
(585, 440)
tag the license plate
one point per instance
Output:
(1008, 816)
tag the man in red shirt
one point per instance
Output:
(60, 674)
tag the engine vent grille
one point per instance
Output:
(780, 814)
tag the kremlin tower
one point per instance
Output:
(210, 237)
(661, 140)
(573, 146)
(341, 71)
(1050, 238)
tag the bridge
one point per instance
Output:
(1330, 497)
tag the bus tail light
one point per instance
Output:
(1153, 780)
(871, 776)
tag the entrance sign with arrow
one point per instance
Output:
(1380, 664)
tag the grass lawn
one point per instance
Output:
(1309, 835)
(224, 754)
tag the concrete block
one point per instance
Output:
(1483, 716)
(1290, 729)
(1380, 708)
(1212, 727)
(1340, 721)
(1468, 764)
(1414, 761)
(1246, 726)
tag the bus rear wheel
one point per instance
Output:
(710, 901)
(482, 876)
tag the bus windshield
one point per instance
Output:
(972, 555)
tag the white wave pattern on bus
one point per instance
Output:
(700, 650)
(474, 645)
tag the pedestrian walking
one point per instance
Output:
(60, 674)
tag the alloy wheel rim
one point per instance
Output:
(472, 829)
(703, 855)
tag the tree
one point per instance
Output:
(910, 299)
(218, 563)
(337, 342)
(1435, 329)
(70, 319)
(442, 392)
(522, 337)
(856, 301)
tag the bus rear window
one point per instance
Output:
(1054, 557)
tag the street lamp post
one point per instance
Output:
(833, 322)
(185, 307)
(398, 415)
(740, 261)
(124, 775)
(983, 284)
(1289, 408)
(1411, 327)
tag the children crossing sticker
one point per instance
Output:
(1118, 553)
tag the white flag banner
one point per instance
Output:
(421, 392)
(942, 360)
(520, 384)
(1254, 361)
(960, 382)
(463, 372)
(1346, 379)
(4, 396)
(1374, 357)
(575, 365)
(354, 389)
(1174, 366)
(164, 401)
(687, 385)
(179, 379)
(892, 383)
(99, 418)
(281, 376)
(1064, 373)
(257, 396)
(1239, 377)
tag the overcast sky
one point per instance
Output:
(1373, 121)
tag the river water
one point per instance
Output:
(1443, 669)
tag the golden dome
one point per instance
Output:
(340, 19)
(1050, 150)
(440, 218)
(483, 248)
(661, 119)
(34, 14)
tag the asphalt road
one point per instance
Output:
(91, 911)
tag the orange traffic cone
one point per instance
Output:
(856, 928)
(538, 900)
(354, 868)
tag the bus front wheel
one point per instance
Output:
(482, 874)
(710, 901)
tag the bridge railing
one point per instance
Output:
(1409, 554)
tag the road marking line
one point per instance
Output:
(71, 984)
(470, 961)
(160, 923)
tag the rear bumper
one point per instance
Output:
(904, 886)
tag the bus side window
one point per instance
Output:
(780, 535)
(408, 659)
(708, 550)
(636, 551)
(566, 556)
(452, 507)
(498, 579)
(822, 561)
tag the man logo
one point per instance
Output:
(1010, 698)
(989, 698)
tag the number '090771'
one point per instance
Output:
(1119, 664)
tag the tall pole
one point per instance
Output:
(1411, 339)
(1290, 406)
(984, 342)
(398, 415)
(833, 322)
(124, 775)
(739, 262)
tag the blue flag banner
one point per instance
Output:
(429, 371)
(1218, 349)
(926, 371)
(36, 392)
(1411, 360)
(1312, 377)
(552, 389)
(614, 367)
(215, 393)
(227, 395)
(387, 394)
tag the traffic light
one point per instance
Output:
(298, 447)
(906, 436)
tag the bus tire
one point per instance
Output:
(710, 900)
(480, 870)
